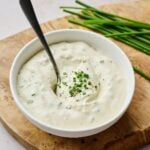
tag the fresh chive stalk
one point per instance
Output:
(123, 23)
(139, 71)
(127, 33)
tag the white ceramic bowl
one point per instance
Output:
(93, 39)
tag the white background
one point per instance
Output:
(12, 20)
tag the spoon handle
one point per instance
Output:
(28, 10)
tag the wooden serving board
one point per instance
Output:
(130, 132)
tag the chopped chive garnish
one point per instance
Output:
(80, 83)
(74, 79)
(86, 76)
(84, 93)
(30, 101)
(101, 61)
(64, 83)
(65, 73)
(89, 83)
(85, 86)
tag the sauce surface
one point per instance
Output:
(92, 88)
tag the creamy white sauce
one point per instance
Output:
(95, 105)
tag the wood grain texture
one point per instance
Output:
(130, 132)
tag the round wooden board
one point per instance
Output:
(130, 132)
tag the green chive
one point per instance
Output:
(89, 83)
(84, 93)
(139, 71)
(65, 73)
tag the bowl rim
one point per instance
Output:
(29, 115)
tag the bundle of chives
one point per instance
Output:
(120, 28)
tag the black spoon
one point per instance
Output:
(28, 10)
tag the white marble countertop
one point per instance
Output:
(13, 21)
